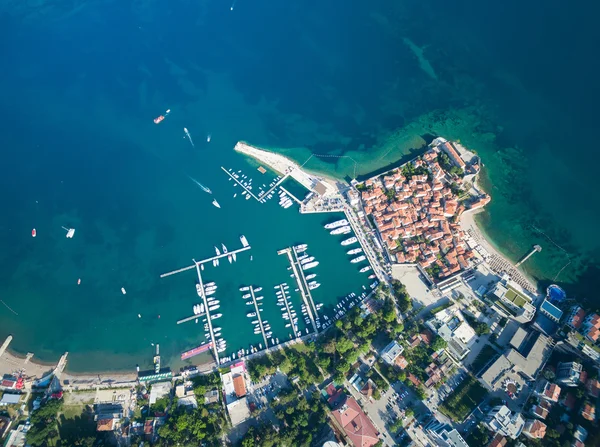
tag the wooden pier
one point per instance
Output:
(260, 323)
(289, 312)
(254, 196)
(206, 261)
(208, 320)
(301, 280)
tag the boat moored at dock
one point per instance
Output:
(337, 223)
(358, 259)
(341, 230)
(350, 241)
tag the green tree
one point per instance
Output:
(438, 343)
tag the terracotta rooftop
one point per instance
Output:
(537, 429)
(105, 425)
(239, 385)
(358, 427)
(588, 411)
(498, 441)
(592, 387)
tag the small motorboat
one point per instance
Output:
(123, 291)
(33, 233)
(159, 119)
(215, 203)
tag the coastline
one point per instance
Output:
(9, 360)
(468, 220)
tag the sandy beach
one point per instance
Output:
(286, 166)
(469, 225)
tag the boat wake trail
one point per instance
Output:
(204, 188)
(8, 307)
(189, 137)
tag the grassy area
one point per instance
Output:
(72, 411)
(486, 354)
(463, 399)
(515, 297)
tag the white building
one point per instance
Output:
(444, 435)
(501, 420)
(568, 373)
(513, 301)
(390, 353)
(450, 324)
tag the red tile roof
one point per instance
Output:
(588, 412)
(239, 385)
(358, 427)
(593, 387)
(498, 441)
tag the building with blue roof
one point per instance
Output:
(551, 311)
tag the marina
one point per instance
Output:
(248, 188)
(288, 311)
(206, 261)
(259, 318)
(209, 318)
(302, 285)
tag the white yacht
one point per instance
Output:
(341, 230)
(349, 241)
(358, 259)
(337, 223)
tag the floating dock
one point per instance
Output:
(254, 196)
(198, 350)
(262, 328)
(206, 261)
(193, 317)
(292, 196)
(289, 312)
(301, 281)
(208, 320)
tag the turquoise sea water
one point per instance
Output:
(363, 83)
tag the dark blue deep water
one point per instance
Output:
(82, 81)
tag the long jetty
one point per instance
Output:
(249, 191)
(298, 272)
(205, 261)
(193, 317)
(287, 307)
(212, 334)
(262, 328)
